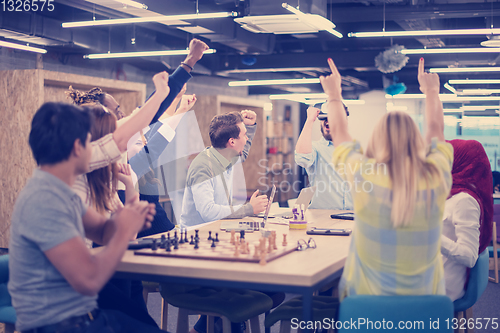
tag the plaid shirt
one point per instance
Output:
(384, 260)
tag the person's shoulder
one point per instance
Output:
(464, 199)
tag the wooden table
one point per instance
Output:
(300, 272)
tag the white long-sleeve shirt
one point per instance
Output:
(459, 241)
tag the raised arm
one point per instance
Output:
(141, 119)
(434, 117)
(336, 114)
(304, 143)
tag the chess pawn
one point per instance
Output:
(256, 253)
(270, 245)
(233, 233)
(273, 236)
(263, 255)
(236, 250)
(285, 243)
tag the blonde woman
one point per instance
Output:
(399, 189)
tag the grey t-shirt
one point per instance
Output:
(47, 213)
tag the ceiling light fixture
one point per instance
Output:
(480, 91)
(314, 97)
(446, 97)
(317, 21)
(133, 4)
(141, 54)
(417, 33)
(467, 81)
(451, 50)
(465, 70)
(249, 83)
(479, 107)
(450, 88)
(22, 47)
(163, 18)
(274, 70)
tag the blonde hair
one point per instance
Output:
(397, 142)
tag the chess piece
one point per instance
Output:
(168, 236)
(192, 240)
(232, 241)
(285, 243)
(213, 242)
(154, 246)
(181, 240)
(263, 255)
(216, 237)
(196, 245)
(256, 253)
(242, 234)
(248, 248)
(270, 245)
(163, 240)
(167, 246)
(185, 236)
(176, 244)
(209, 236)
(238, 239)
(273, 235)
(243, 247)
(236, 250)
(175, 235)
(196, 236)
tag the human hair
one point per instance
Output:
(102, 182)
(94, 95)
(224, 127)
(397, 143)
(54, 129)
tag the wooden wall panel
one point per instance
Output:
(206, 108)
(20, 96)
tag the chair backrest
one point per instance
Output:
(478, 280)
(426, 313)
(7, 312)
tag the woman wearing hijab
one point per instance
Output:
(468, 214)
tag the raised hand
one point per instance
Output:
(332, 83)
(134, 217)
(429, 82)
(312, 113)
(258, 202)
(196, 49)
(249, 117)
(186, 104)
(161, 84)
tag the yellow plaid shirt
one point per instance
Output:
(384, 260)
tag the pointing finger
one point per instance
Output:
(421, 66)
(333, 68)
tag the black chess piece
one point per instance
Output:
(163, 240)
(181, 240)
(213, 242)
(154, 246)
(209, 235)
(192, 240)
(186, 236)
(196, 236)
(168, 235)
(217, 237)
(196, 245)
(176, 244)
(242, 234)
(175, 235)
(167, 246)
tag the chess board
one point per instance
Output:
(224, 250)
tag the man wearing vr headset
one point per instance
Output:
(315, 156)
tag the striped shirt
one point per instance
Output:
(384, 260)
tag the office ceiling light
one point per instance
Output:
(451, 50)
(317, 97)
(479, 107)
(248, 83)
(22, 47)
(274, 70)
(480, 91)
(479, 81)
(446, 97)
(163, 18)
(133, 4)
(465, 70)
(417, 33)
(450, 88)
(317, 21)
(141, 54)
(494, 41)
